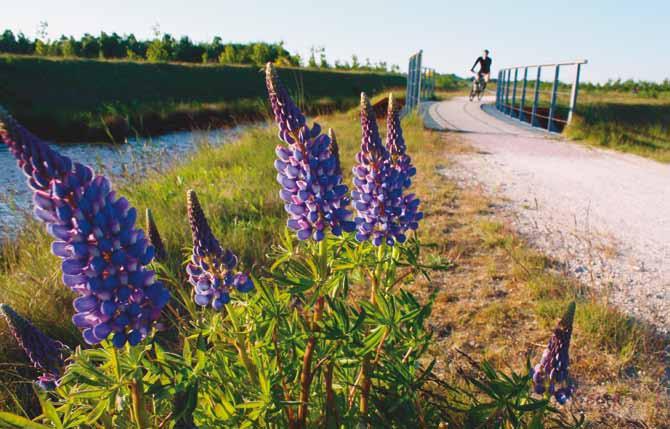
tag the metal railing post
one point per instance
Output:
(499, 84)
(507, 85)
(522, 113)
(552, 105)
(573, 94)
(536, 97)
(418, 78)
(408, 90)
(516, 77)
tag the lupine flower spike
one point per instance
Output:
(335, 151)
(155, 238)
(308, 170)
(103, 254)
(211, 267)
(46, 354)
(402, 163)
(550, 376)
(377, 193)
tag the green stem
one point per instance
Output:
(137, 398)
(306, 375)
(240, 343)
(323, 260)
(378, 274)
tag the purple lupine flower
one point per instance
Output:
(211, 267)
(46, 354)
(308, 170)
(402, 163)
(103, 254)
(378, 186)
(154, 237)
(550, 376)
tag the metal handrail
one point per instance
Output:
(505, 82)
(530, 66)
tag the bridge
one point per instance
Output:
(603, 214)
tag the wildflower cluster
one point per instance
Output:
(103, 253)
(46, 354)
(308, 170)
(211, 267)
(552, 371)
(381, 175)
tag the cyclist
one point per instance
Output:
(484, 72)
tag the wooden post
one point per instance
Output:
(522, 114)
(536, 97)
(552, 105)
(573, 94)
(516, 77)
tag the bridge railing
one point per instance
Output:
(538, 115)
(427, 84)
(413, 96)
(420, 83)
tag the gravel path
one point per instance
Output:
(605, 215)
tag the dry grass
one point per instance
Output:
(502, 300)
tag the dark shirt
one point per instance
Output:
(484, 65)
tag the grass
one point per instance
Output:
(503, 298)
(84, 100)
(500, 302)
(626, 122)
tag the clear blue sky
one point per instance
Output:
(620, 38)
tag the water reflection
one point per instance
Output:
(136, 157)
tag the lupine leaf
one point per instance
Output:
(15, 421)
(48, 409)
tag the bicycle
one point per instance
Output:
(478, 87)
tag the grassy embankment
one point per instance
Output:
(500, 301)
(87, 100)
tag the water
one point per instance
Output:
(137, 156)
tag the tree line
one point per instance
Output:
(641, 87)
(164, 47)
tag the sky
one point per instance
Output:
(620, 38)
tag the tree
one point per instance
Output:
(261, 53)
(354, 62)
(323, 62)
(157, 51)
(8, 42)
(229, 55)
(312, 58)
(90, 46)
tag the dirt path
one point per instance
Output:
(605, 215)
